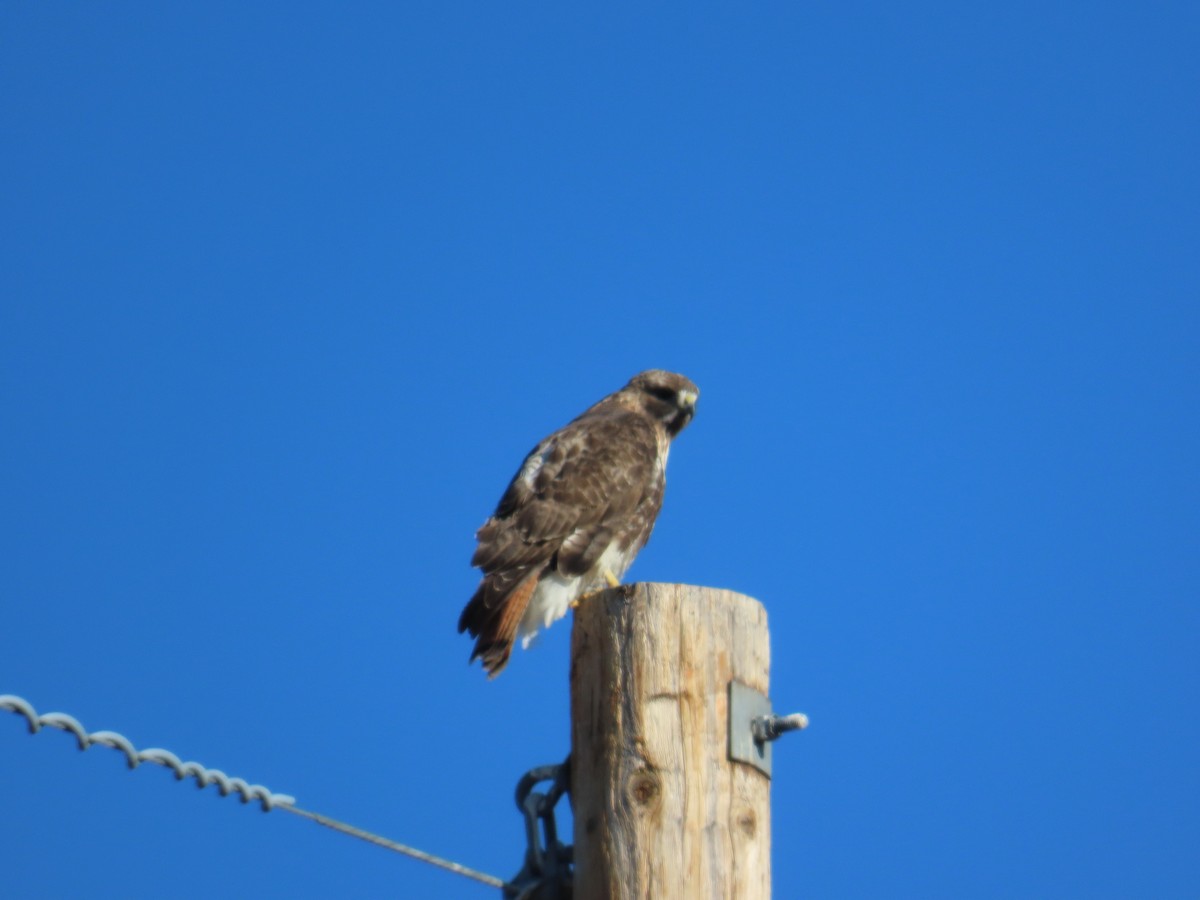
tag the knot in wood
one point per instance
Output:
(747, 822)
(644, 787)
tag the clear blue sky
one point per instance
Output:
(290, 289)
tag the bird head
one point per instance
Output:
(665, 396)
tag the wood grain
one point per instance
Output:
(660, 811)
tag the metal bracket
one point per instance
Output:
(547, 873)
(753, 726)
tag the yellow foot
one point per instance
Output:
(612, 582)
(575, 604)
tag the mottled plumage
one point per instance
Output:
(578, 510)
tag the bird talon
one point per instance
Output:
(613, 581)
(578, 601)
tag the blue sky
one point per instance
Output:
(289, 291)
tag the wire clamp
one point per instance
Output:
(753, 726)
(547, 874)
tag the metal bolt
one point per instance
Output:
(768, 728)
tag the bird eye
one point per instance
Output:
(662, 393)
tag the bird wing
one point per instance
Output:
(572, 495)
(576, 492)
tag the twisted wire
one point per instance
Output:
(226, 785)
(134, 757)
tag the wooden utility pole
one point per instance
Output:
(660, 811)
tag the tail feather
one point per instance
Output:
(493, 620)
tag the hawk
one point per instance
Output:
(576, 513)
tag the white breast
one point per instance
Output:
(554, 594)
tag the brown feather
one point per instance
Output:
(595, 484)
(494, 623)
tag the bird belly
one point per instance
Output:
(550, 601)
(555, 593)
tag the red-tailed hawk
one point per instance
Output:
(576, 513)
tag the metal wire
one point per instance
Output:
(225, 784)
(134, 757)
(378, 841)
